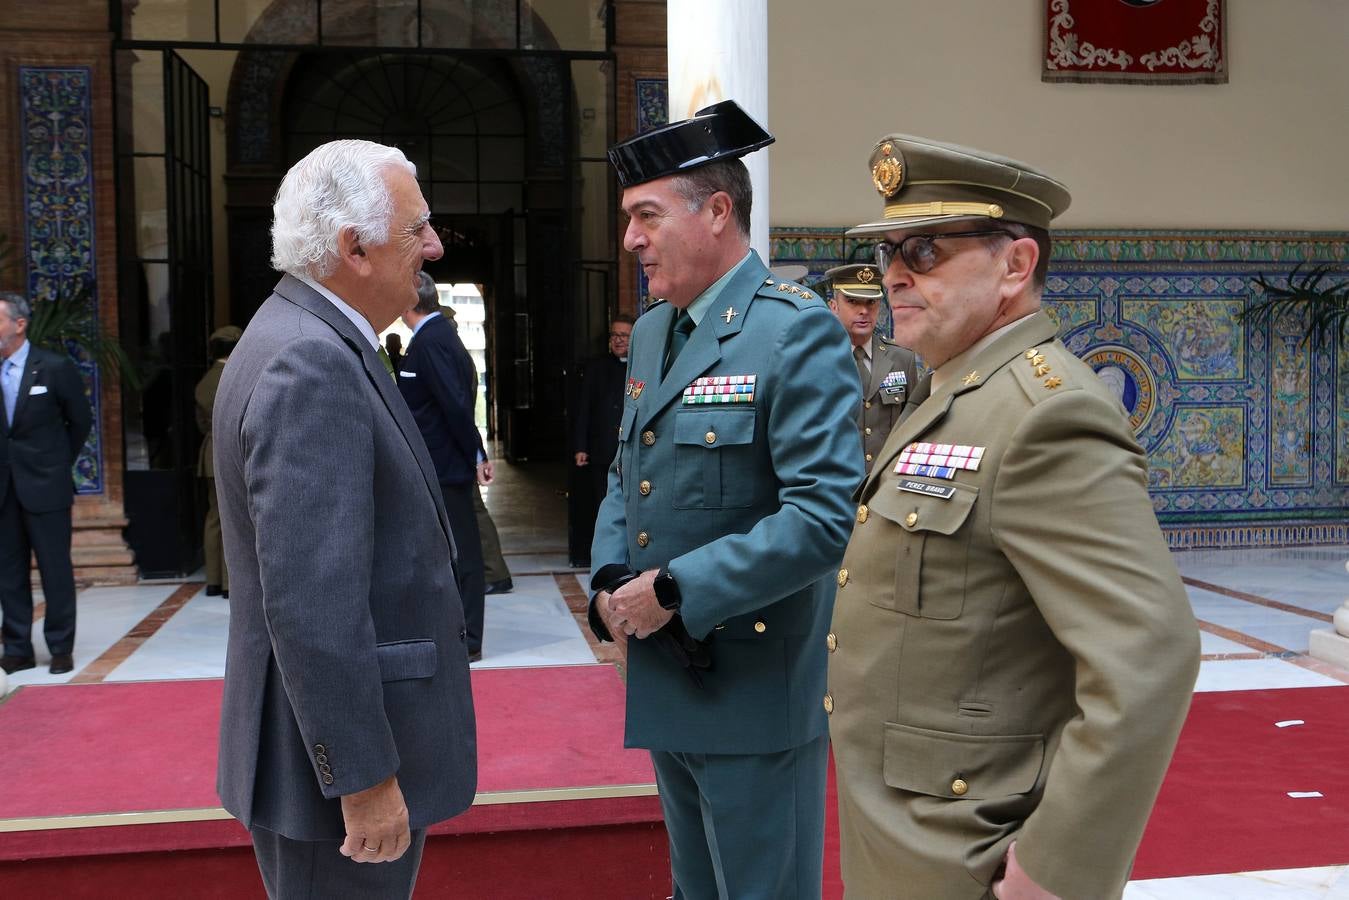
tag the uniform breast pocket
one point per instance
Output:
(933, 536)
(714, 452)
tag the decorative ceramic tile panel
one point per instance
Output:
(59, 224)
(1246, 429)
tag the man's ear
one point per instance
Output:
(1019, 275)
(721, 207)
(350, 252)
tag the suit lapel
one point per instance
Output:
(31, 369)
(307, 298)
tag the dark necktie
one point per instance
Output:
(679, 336)
(388, 363)
(863, 373)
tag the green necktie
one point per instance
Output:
(679, 336)
(388, 363)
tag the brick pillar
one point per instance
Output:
(56, 115)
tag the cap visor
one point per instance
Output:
(881, 227)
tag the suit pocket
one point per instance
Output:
(931, 532)
(713, 455)
(961, 766)
(401, 660)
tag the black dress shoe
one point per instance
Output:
(504, 586)
(62, 663)
(213, 590)
(224, 595)
(12, 664)
(475, 656)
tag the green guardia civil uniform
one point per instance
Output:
(1012, 651)
(204, 395)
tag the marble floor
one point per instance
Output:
(1256, 609)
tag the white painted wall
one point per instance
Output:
(1268, 150)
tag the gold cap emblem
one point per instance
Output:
(866, 276)
(887, 174)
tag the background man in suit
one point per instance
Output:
(887, 370)
(439, 384)
(598, 405)
(725, 519)
(47, 419)
(347, 725)
(393, 346)
(1013, 651)
(221, 344)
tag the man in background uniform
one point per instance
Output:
(220, 344)
(1013, 652)
(887, 371)
(598, 406)
(726, 516)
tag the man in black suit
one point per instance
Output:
(439, 383)
(599, 406)
(47, 419)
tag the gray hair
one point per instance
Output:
(428, 295)
(18, 305)
(339, 185)
(730, 176)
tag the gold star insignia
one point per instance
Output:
(782, 287)
(1053, 381)
(1041, 370)
(806, 294)
(1032, 353)
(971, 378)
(1039, 360)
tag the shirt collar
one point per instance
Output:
(953, 366)
(428, 317)
(20, 356)
(698, 308)
(361, 322)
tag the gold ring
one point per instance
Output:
(369, 849)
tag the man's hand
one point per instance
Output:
(377, 823)
(604, 603)
(1015, 884)
(635, 606)
(487, 472)
(582, 458)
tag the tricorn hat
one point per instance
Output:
(720, 131)
(922, 182)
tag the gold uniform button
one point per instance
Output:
(911, 519)
(648, 437)
(868, 457)
(643, 539)
(711, 437)
(644, 487)
(867, 404)
(828, 705)
(831, 641)
(868, 431)
(760, 627)
(959, 787)
(842, 577)
(862, 513)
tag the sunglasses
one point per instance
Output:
(919, 251)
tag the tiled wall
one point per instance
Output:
(1246, 429)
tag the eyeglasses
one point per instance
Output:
(621, 335)
(919, 251)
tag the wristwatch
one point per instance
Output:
(667, 590)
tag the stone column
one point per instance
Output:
(57, 207)
(1332, 644)
(718, 50)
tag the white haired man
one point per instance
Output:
(347, 726)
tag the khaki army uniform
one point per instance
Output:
(1012, 651)
(212, 546)
(885, 393)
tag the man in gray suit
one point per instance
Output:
(347, 726)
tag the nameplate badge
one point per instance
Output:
(720, 389)
(946, 492)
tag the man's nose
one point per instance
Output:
(897, 276)
(633, 239)
(431, 246)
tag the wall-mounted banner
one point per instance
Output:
(1136, 41)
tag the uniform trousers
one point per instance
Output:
(47, 534)
(213, 545)
(315, 870)
(493, 563)
(468, 568)
(745, 826)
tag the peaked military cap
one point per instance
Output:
(860, 281)
(922, 182)
(228, 333)
(720, 131)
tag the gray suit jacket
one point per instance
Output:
(346, 661)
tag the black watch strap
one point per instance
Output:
(667, 590)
